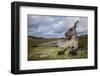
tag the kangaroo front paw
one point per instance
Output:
(73, 53)
(61, 53)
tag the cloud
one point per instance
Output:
(54, 26)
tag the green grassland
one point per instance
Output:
(51, 53)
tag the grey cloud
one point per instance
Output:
(54, 26)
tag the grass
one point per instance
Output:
(51, 53)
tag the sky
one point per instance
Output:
(54, 26)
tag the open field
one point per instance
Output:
(36, 52)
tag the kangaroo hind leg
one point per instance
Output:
(61, 52)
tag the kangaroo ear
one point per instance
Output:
(75, 25)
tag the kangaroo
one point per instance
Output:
(70, 41)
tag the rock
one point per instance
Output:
(43, 56)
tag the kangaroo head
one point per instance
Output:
(72, 31)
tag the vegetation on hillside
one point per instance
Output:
(36, 52)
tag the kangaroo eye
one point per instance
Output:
(71, 29)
